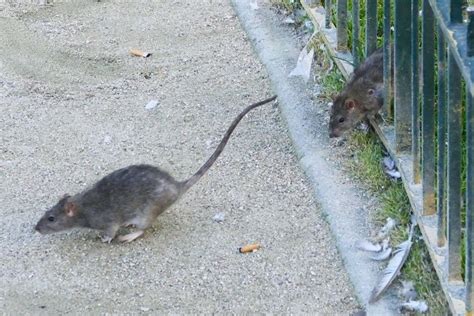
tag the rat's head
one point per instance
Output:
(60, 217)
(345, 114)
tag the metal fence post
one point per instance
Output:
(355, 31)
(387, 60)
(342, 25)
(428, 126)
(441, 166)
(371, 27)
(454, 169)
(470, 177)
(402, 72)
(415, 107)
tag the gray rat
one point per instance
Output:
(131, 196)
(361, 98)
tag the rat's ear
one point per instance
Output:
(350, 104)
(70, 208)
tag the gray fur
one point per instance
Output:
(131, 196)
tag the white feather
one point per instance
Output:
(389, 163)
(386, 229)
(393, 268)
(383, 255)
(366, 245)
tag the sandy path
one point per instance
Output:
(72, 109)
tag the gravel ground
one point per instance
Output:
(72, 107)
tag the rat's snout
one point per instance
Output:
(333, 133)
(37, 228)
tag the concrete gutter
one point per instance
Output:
(339, 198)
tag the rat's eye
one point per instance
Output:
(51, 218)
(341, 120)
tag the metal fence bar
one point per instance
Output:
(441, 166)
(402, 74)
(470, 177)
(387, 57)
(342, 25)
(327, 5)
(469, 205)
(428, 124)
(355, 31)
(371, 27)
(455, 11)
(470, 32)
(442, 162)
(454, 169)
(415, 116)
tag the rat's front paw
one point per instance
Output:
(106, 238)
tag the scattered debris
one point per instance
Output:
(144, 309)
(387, 228)
(303, 65)
(408, 291)
(395, 174)
(249, 248)
(390, 169)
(289, 20)
(219, 217)
(107, 139)
(394, 265)
(150, 105)
(308, 26)
(366, 245)
(139, 53)
(253, 5)
(414, 306)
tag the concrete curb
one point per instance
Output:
(339, 199)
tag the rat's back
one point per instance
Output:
(128, 191)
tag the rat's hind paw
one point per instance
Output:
(131, 237)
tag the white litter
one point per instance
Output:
(150, 105)
(303, 65)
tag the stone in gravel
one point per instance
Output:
(107, 139)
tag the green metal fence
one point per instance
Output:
(431, 136)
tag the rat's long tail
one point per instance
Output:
(191, 181)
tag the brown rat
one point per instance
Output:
(361, 98)
(131, 196)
